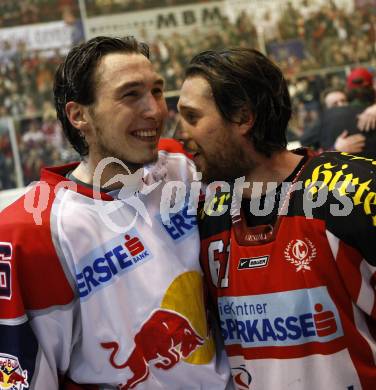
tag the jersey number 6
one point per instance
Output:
(215, 255)
(5, 268)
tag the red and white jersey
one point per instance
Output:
(101, 291)
(296, 300)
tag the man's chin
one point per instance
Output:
(208, 173)
(134, 165)
(153, 157)
(209, 177)
(217, 174)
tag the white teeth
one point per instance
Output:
(145, 133)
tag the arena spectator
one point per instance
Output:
(337, 127)
(40, 144)
(334, 98)
(328, 35)
(17, 13)
(26, 76)
(7, 168)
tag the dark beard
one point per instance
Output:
(228, 165)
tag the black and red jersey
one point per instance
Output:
(296, 299)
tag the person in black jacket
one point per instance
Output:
(337, 127)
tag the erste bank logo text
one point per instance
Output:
(101, 266)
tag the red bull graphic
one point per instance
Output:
(165, 338)
(12, 377)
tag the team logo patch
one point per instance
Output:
(300, 253)
(253, 262)
(12, 376)
(242, 377)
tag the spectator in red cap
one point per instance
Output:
(360, 87)
(339, 125)
(358, 78)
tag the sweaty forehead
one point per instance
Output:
(194, 90)
(117, 68)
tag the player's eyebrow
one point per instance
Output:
(186, 107)
(159, 81)
(137, 84)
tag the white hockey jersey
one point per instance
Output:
(103, 292)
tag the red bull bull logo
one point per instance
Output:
(12, 377)
(164, 338)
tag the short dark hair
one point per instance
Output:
(329, 90)
(243, 77)
(75, 78)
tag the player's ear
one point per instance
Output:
(245, 120)
(78, 116)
